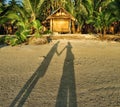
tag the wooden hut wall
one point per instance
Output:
(61, 25)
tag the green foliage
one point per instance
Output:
(32, 7)
(22, 28)
(101, 15)
(47, 32)
(21, 35)
(11, 40)
(102, 20)
(0, 7)
(38, 27)
(81, 12)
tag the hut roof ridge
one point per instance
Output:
(63, 10)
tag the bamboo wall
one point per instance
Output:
(60, 25)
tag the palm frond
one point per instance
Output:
(28, 6)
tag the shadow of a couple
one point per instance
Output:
(67, 90)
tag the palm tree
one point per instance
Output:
(18, 17)
(3, 10)
(80, 14)
(106, 14)
(99, 14)
(33, 8)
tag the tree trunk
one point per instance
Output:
(73, 27)
(104, 32)
(79, 29)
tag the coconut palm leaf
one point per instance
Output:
(33, 7)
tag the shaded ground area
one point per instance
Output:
(64, 73)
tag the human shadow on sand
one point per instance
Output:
(30, 84)
(67, 90)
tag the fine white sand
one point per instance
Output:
(68, 73)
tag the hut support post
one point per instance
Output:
(70, 24)
(51, 25)
(73, 27)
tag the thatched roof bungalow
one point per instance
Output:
(61, 21)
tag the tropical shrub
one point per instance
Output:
(36, 25)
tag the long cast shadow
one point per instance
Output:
(30, 84)
(67, 90)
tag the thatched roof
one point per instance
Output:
(60, 13)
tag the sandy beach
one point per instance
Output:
(63, 73)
